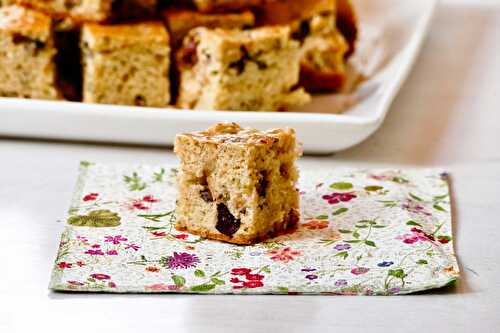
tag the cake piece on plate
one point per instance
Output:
(181, 21)
(27, 53)
(237, 185)
(323, 47)
(210, 6)
(256, 69)
(126, 64)
(323, 50)
(78, 10)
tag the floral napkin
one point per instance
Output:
(362, 232)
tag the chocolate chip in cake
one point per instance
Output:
(188, 56)
(206, 195)
(36, 44)
(227, 224)
(139, 100)
(263, 183)
(240, 64)
(303, 32)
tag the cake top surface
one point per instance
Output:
(101, 37)
(232, 133)
(236, 36)
(26, 22)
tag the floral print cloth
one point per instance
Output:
(362, 232)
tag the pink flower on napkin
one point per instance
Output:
(284, 255)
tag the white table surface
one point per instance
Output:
(448, 114)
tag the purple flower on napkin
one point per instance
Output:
(342, 247)
(341, 283)
(311, 277)
(182, 260)
(308, 269)
(385, 264)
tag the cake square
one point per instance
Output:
(79, 10)
(181, 21)
(237, 185)
(27, 51)
(126, 64)
(323, 49)
(234, 70)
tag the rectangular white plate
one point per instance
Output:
(402, 25)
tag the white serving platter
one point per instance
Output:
(402, 27)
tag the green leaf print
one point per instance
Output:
(397, 273)
(342, 254)
(422, 262)
(322, 217)
(438, 207)
(370, 243)
(158, 176)
(217, 281)
(199, 273)
(102, 218)
(373, 188)
(341, 186)
(340, 211)
(414, 197)
(179, 281)
(203, 287)
(413, 223)
(345, 231)
(134, 182)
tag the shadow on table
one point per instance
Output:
(427, 103)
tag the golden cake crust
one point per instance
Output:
(232, 133)
(85, 11)
(17, 19)
(101, 37)
(181, 21)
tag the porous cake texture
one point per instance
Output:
(237, 185)
(255, 69)
(27, 53)
(126, 64)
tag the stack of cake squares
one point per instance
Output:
(233, 55)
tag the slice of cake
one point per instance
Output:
(126, 64)
(181, 21)
(210, 6)
(237, 185)
(322, 46)
(27, 53)
(256, 69)
(79, 10)
(323, 50)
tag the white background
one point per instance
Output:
(448, 114)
